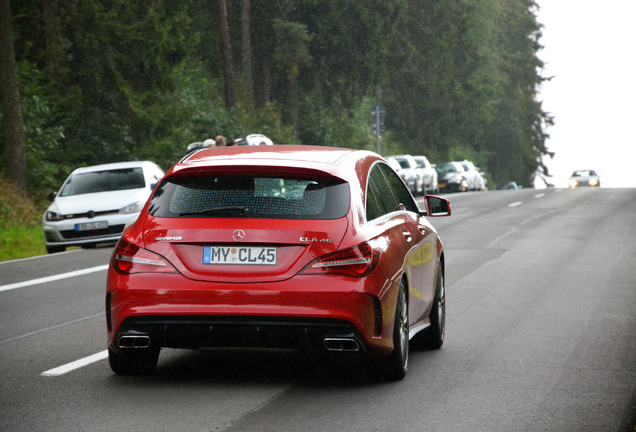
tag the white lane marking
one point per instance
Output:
(515, 228)
(539, 195)
(52, 278)
(76, 364)
(515, 204)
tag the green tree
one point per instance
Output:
(292, 54)
(12, 122)
(111, 80)
(516, 137)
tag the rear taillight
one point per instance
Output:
(128, 258)
(357, 261)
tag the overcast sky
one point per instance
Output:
(590, 51)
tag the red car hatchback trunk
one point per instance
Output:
(294, 245)
(310, 248)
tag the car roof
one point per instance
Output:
(113, 166)
(342, 163)
(257, 139)
(317, 157)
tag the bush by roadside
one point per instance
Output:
(20, 222)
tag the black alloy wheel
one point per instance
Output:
(397, 363)
(434, 336)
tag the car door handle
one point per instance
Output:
(407, 235)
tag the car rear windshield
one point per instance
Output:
(250, 197)
(104, 181)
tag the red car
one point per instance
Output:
(312, 248)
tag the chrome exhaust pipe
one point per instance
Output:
(133, 341)
(341, 344)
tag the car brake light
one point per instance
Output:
(357, 261)
(128, 258)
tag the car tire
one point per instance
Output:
(397, 363)
(55, 249)
(136, 361)
(433, 337)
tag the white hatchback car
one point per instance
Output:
(95, 204)
(431, 184)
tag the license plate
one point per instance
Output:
(90, 226)
(442, 185)
(245, 255)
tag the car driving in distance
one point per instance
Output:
(429, 174)
(584, 178)
(95, 204)
(473, 176)
(452, 177)
(318, 249)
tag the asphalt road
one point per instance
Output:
(541, 336)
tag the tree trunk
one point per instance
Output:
(293, 102)
(246, 51)
(265, 82)
(54, 53)
(226, 53)
(15, 142)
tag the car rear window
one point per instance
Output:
(250, 197)
(104, 181)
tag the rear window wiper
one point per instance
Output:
(230, 210)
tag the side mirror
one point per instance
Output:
(436, 206)
(51, 196)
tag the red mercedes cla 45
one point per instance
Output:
(311, 248)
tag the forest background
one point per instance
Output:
(113, 80)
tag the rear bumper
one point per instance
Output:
(306, 312)
(193, 332)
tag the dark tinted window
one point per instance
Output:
(251, 197)
(374, 208)
(400, 192)
(446, 168)
(404, 163)
(104, 181)
(385, 192)
(386, 200)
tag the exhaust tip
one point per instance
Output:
(341, 344)
(137, 341)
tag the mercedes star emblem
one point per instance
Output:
(238, 235)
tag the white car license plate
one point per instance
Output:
(89, 226)
(246, 255)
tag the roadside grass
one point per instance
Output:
(20, 242)
(21, 233)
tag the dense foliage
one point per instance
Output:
(115, 80)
